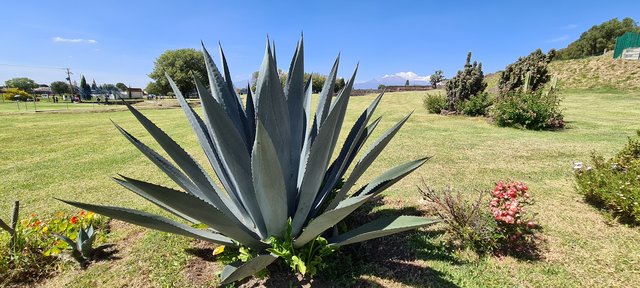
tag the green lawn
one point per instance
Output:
(73, 155)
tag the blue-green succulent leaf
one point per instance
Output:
(155, 222)
(381, 227)
(319, 156)
(200, 210)
(364, 163)
(269, 183)
(239, 270)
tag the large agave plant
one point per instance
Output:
(272, 158)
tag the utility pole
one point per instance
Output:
(70, 84)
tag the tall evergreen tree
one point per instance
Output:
(85, 89)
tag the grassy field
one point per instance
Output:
(73, 155)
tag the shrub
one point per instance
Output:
(535, 111)
(501, 226)
(435, 102)
(10, 93)
(477, 105)
(469, 223)
(273, 166)
(613, 184)
(467, 83)
(514, 224)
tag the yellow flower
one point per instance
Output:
(218, 250)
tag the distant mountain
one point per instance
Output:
(397, 79)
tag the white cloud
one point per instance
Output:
(557, 39)
(570, 26)
(411, 76)
(59, 39)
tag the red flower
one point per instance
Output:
(73, 220)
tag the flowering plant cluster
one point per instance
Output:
(38, 232)
(32, 254)
(508, 209)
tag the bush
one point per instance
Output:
(477, 105)
(535, 111)
(467, 83)
(614, 184)
(503, 226)
(10, 94)
(435, 103)
(515, 225)
(469, 223)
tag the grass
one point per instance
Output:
(73, 155)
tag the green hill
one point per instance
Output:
(597, 72)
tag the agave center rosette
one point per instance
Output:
(273, 160)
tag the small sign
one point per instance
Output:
(631, 53)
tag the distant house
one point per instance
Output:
(133, 93)
(43, 90)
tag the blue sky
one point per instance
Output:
(117, 41)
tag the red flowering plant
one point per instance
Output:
(38, 232)
(515, 224)
(32, 254)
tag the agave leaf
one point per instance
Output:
(324, 101)
(268, 183)
(208, 189)
(232, 90)
(160, 204)
(90, 231)
(347, 153)
(319, 156)
(162, 163)
(273, 112)
(199, 210)
(310, 132)
(67, 240)
(236, 271)
(220, 90)
(364, 163)
(250, 113)
(207, 144)
(329, 219)
(390, 177)
(381, 227)
(295, 95)
(82, 236)
(155, 222)
(235, 158)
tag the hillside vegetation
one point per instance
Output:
(598, 72)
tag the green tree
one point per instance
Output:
(22, 83)
(152, 88)
(59, 87)
(598, 39)
(436, 78)
(85, 89)
(340, 83)
(382, 86)
(121, 86)
(10, 93)
(182, 65)
(110, 87)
